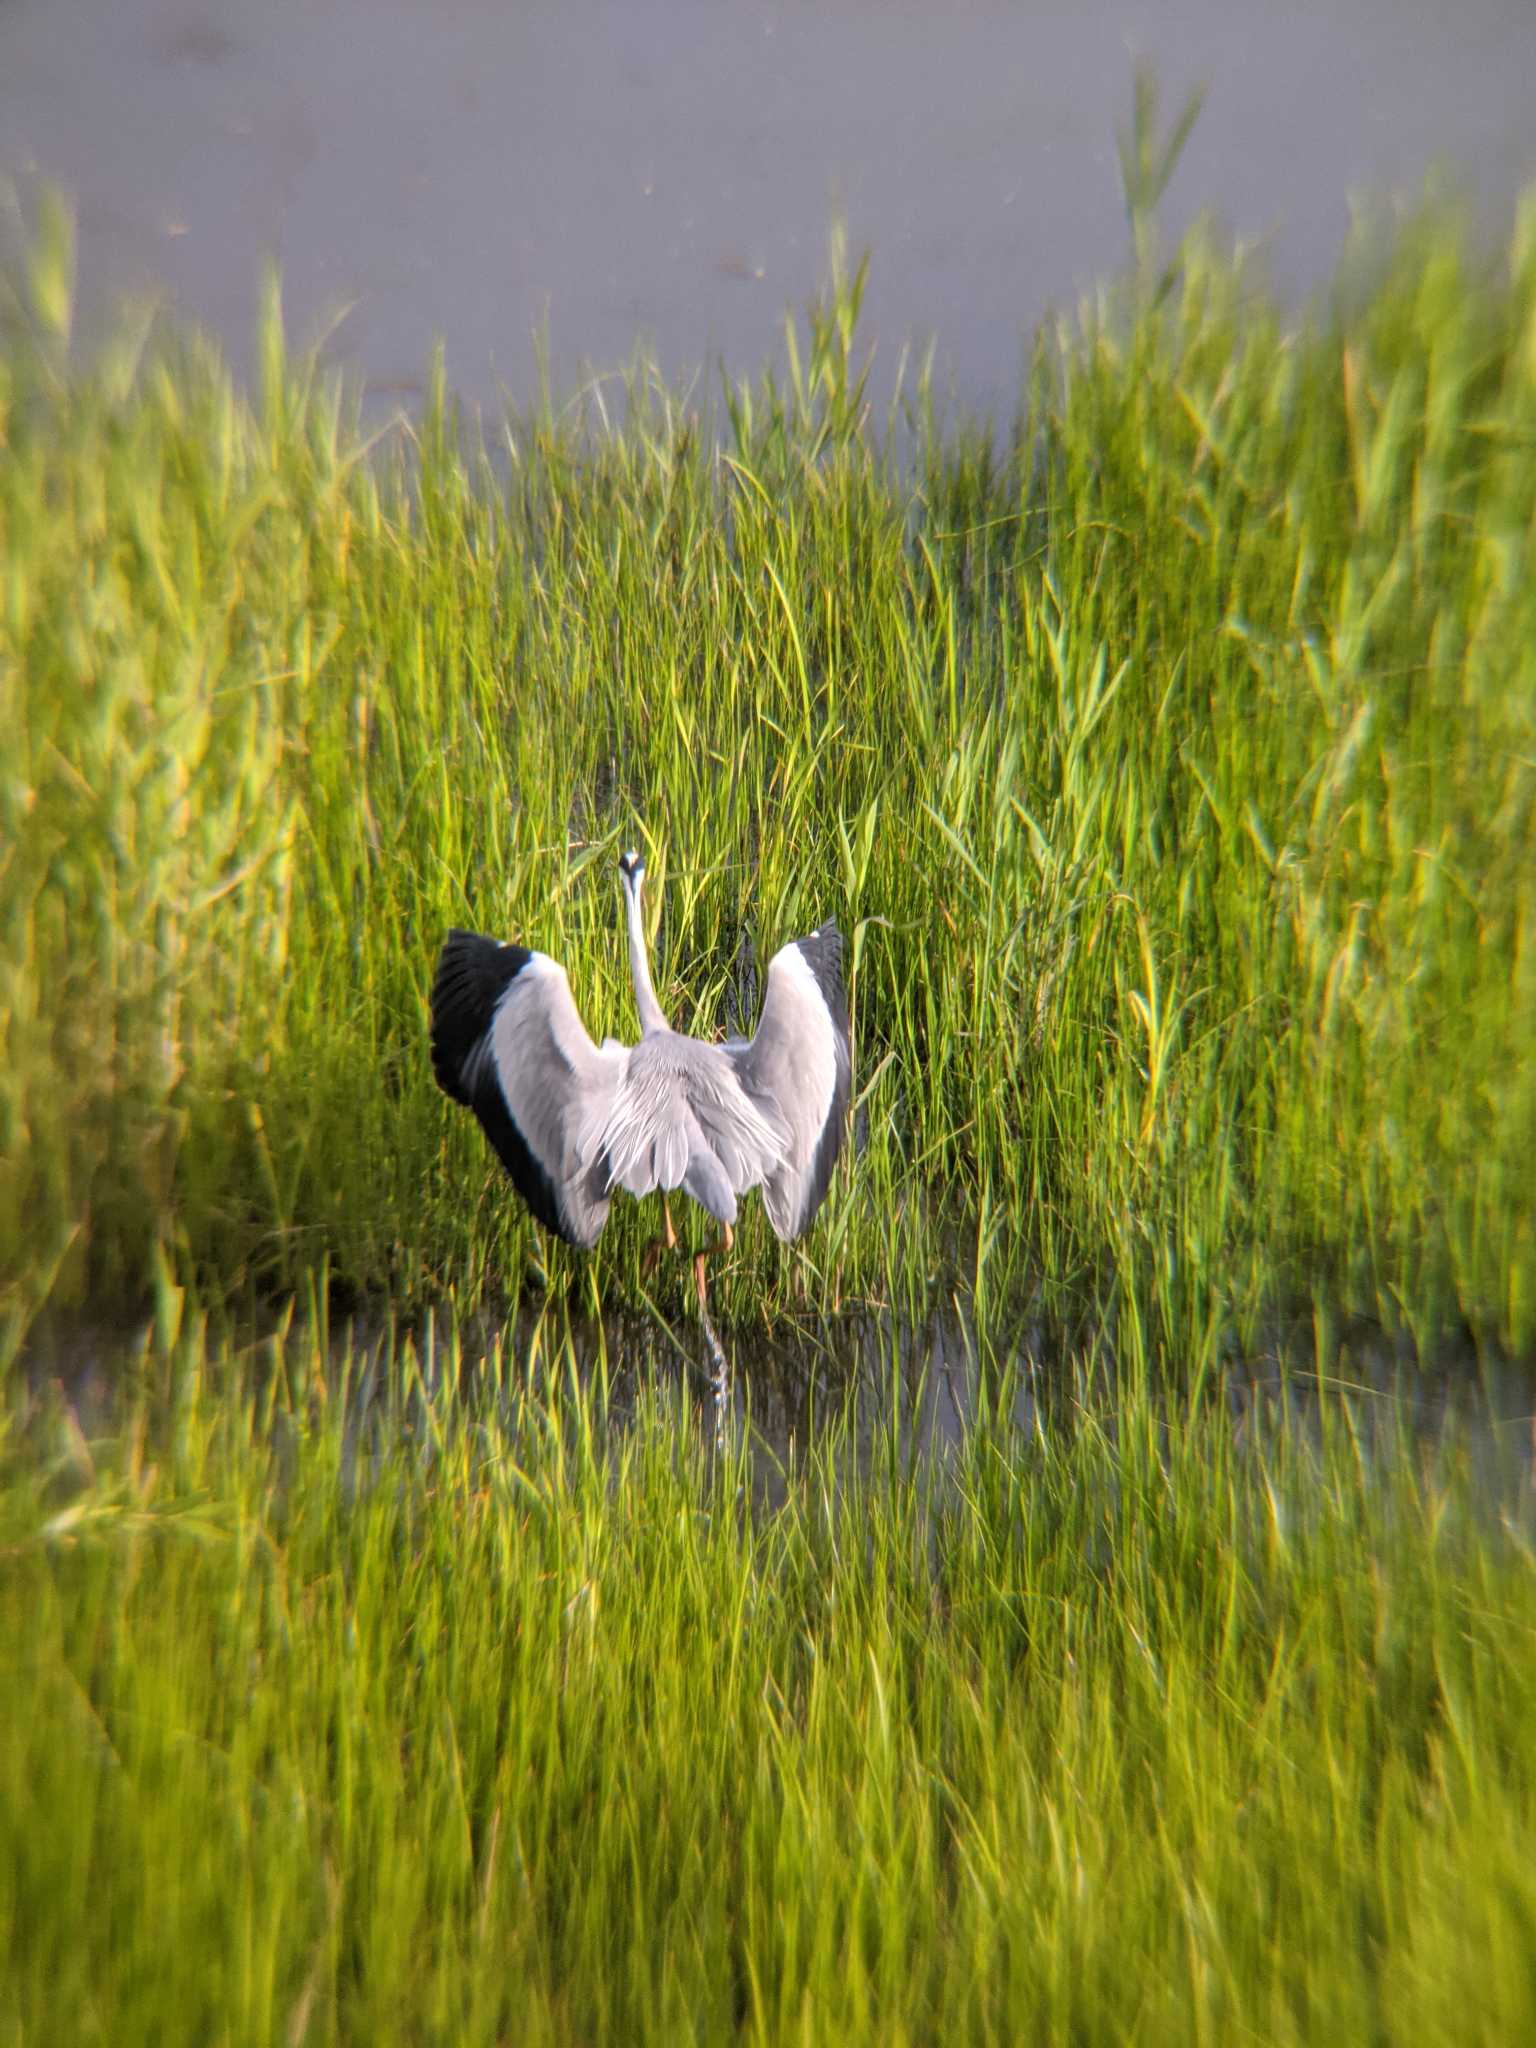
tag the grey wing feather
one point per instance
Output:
(798, 1067)
(559, 1087)
(508, 1041)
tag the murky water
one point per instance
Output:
(888, 1390)
(611, 170)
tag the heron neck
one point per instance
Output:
(651, 1018)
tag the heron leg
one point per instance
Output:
(720, 1373)
(658, 1245)
(722, 1243)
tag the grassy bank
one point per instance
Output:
(1170, 766)
(466, 1718)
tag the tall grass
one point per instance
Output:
(1169, 762)
(471, 1717)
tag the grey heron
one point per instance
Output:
(572, 1121)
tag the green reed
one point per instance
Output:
(425, 1689)
(1168, 760)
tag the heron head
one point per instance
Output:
(632, 868)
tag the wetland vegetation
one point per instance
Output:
(1169, 758)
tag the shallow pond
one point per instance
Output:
(886, 1390)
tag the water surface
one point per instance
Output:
(614, 170)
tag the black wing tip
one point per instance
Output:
(473, 974)
(822, 952)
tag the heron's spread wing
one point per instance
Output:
(798, 1067)
(508, 1041)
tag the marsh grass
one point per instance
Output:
(467, 1712)
(1169, 763)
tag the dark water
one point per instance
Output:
(612, 170)
(892, 1394)
(910, 1398)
